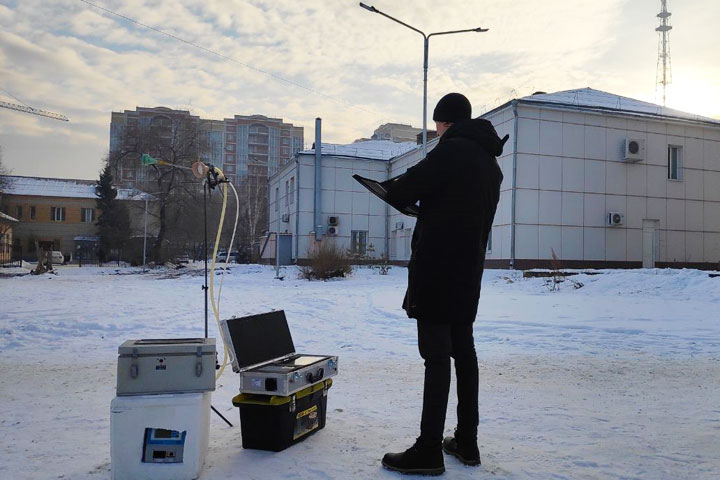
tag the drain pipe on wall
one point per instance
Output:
(514, 186)
(297, 208)
(387, 216)
(318, 179)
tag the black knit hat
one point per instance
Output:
(453, 107)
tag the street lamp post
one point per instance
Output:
(426, 44)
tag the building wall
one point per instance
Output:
(63, 233)
(571, 174)
(43, 228)
(341, 196)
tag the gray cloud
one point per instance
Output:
(68, 57)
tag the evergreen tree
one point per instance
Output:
(114, 221)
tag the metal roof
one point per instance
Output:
(591, 99)
(61, 187)
(4, 216)
(370, 149)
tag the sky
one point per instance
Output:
(299, 60)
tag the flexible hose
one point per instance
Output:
(215, 308)
(228, 353)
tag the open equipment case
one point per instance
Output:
(264, 355)
(283, 394)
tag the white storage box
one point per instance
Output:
(159, 437)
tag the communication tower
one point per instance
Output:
(663, 49)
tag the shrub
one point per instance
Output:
(326, 260)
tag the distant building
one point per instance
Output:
(60, 214)
(598, 180)
(397, 132)
(242, 147)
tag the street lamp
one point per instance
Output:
(147, 197)
(426, 41)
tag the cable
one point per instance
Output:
(259, 70)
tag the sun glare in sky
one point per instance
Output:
(693, 92)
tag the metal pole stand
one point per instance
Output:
(210, 183)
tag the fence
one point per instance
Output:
(10, 255)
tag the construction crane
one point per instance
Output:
(34, 111)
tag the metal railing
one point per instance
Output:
(10, 255)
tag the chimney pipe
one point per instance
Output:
(319, 227)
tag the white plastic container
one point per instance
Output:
(159, 437)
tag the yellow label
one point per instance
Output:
(307, 412)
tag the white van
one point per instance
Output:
(58, 258)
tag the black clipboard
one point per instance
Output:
(379, 190)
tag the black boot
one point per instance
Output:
(466, 450)
(418, 459)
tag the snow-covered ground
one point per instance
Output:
(617, 379)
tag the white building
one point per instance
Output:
(569, 164)
(347, 212)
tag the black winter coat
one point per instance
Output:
(458, 187)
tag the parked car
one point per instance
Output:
(57, 257)
(222, 257)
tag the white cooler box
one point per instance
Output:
(159, 437)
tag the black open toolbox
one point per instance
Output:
(272, 422)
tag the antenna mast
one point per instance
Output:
(664, 48)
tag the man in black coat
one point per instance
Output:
(458, 187)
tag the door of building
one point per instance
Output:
(285, 249)
(650, 243)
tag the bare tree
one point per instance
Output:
(179, 142)
(253, 209)
(3, 171)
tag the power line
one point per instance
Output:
(225, 57)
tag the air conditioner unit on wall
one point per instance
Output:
(634, 150)
(615, 218)
(285, 217)
(332, 231)
(333, 220)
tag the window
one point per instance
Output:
(18, 212)
(32, 212)
(87, 215)
(358, 242)
(57, 214)
(674, 162)
(292, 190)
(287, 192)
(277, 197)
(489, 244)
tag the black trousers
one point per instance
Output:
(437, 343)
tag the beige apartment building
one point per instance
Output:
(244, 147)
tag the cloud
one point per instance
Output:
(363, 69)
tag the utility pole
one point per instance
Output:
(664, 49)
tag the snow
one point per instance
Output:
(588, 97)
(7, 218)
(62, 187)
(617, 379)
(372, 149)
